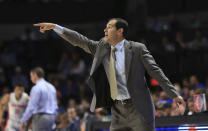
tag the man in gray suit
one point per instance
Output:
(117, 76)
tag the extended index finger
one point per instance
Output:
(39, 24)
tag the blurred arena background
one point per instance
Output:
(175, 32)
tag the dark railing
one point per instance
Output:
(197, 119)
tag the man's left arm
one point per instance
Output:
(154, 71)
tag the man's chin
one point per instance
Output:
(106, 40)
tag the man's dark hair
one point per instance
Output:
(19, 84)
(121, 23)
(39, 71)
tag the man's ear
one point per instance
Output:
(120, 31)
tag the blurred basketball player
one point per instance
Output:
(17, 103)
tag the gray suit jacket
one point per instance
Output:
(137, 59)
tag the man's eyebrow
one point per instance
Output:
(109, 24)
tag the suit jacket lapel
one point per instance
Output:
(99, 55)
(128, 57)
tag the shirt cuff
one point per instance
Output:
(59, 29)
(23, 121)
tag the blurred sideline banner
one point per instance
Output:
(196, 122)
(200, 102)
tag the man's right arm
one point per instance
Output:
(71, 36)
(3, 102)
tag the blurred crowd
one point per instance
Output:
(188, 89)
(178, 35)
(180, 48)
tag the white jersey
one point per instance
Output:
(16, 108)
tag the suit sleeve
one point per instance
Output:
(154, 71)
(79, 40)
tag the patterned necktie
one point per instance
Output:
(112, 75)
